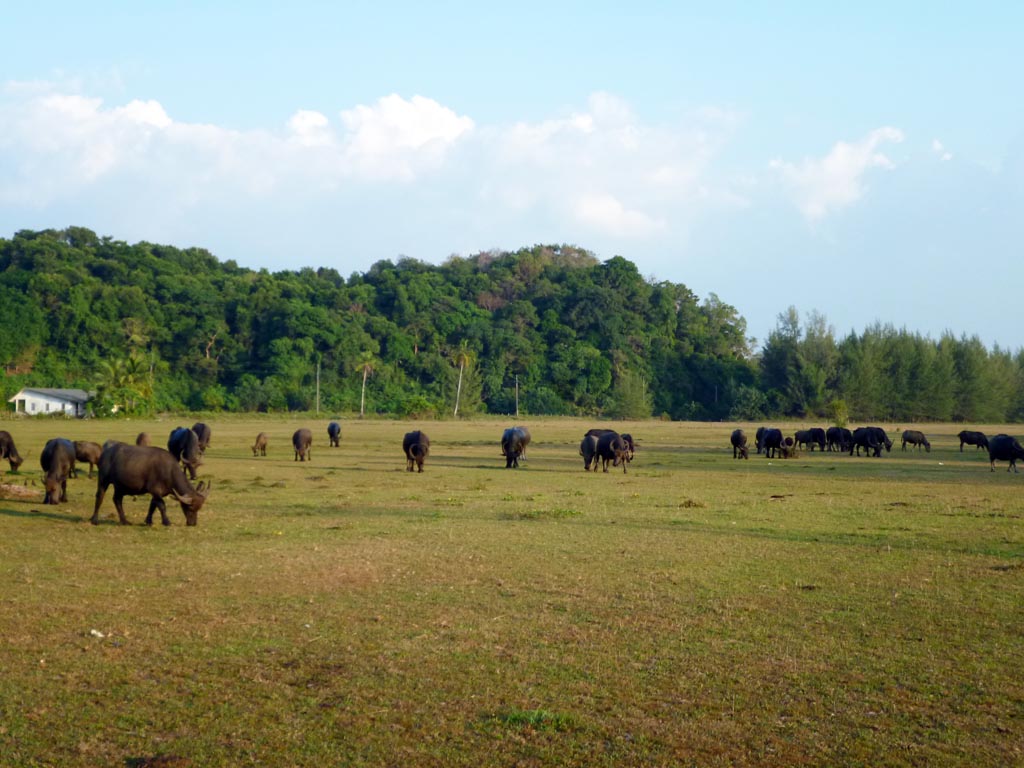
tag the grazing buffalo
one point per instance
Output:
(759, 439)
(914, 437)
(866, 438)
(772, 442)
(789, 448)
(967, 437)
(334, 434)
(588, 450)
(416, 446)
(87, 453)
(202, 435)
(8, 451)
(259, 448)
(810, 438)
(738, 438)
(611, 447)
(513, 445)
(57, 461)
(135, 470)
(838, 439)
(1005, 448)
(302, 442)
(143, 439)
(183, 444)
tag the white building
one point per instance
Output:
(33, 401)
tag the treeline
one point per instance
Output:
(154, 328)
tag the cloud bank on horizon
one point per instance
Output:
(888, 219)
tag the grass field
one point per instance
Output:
(825, 610)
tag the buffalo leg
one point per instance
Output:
(100, 491)
(157, 503)
(119, 503)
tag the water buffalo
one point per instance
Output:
(334, 434)
(8, 451)
(513, 445)
(302, 442)
(789, 448)
(815, 436)
(202, 435)
(772, 442)
(866, 438)
(183, 444)
(416, 446)
(87, 452)
(136, 470)
(914, 437)
(977, 439)
(57, 461)
(838, 439)
(259, 448)
(143, 439)
(1005, 448)
(882, 438)
(611, 447)
(738, 438)
(759, 439)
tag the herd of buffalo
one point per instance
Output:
(141, 469)
(772, 443)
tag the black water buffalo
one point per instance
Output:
(866, 438)
(588, 450)
(1005, 448)
(789, 448)
(259, 448)
(183, 444)
(87, 453)
(838, 439)
(202, 435)
(513, 445)
(302, 442)
(915, 437)
(883, 439)
(759, 438)
(810, 438)
(8, 451)
(416, 446)
(58, 462)
(772, 442)
(136, 470)
(143, 439)
(738, 438)
(334, 434)
(977, 439)
(611, 447)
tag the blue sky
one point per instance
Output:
(866, 162)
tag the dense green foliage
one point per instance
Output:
(152, 327)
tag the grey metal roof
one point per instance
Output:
(71, 395)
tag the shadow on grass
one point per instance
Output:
(33, 513)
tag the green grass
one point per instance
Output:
(824, 610)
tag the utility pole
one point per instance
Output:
(318, 385)
(517, 395)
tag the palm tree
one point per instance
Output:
(366, 364)
(462, 358)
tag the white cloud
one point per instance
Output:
(395, 137)
(824, 185)
(606, 214)
(940, 150)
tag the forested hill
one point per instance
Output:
(152, 327)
